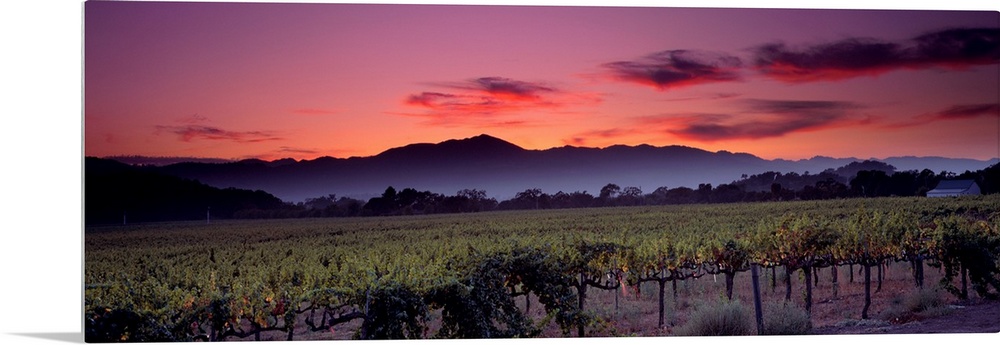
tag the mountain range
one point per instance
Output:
(503, 169)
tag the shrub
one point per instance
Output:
(786, 319)
(721, 318)
(923, 302)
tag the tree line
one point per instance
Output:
(881, 181)
(117, 193)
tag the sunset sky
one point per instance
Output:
(257, 80)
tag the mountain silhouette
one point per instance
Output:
(503, 169)
(119, 193)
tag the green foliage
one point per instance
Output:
(480, 305)
(104, 325)
(786, 319)
(239, 278)
(964, 244)
(395, 312)
(724, 317)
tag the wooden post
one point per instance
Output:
(868, 290)
(663, 286)
(756, 299)
(833, 275)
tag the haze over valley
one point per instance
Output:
(503, 169)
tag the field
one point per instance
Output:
(504, 274)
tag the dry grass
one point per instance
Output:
(919, 304)
(723, 317)
(786, 319)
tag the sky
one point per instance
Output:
(276, 80)
(42, 78)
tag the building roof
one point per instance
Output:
(953, 186)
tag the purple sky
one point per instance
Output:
(308, 80)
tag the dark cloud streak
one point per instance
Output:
(760, 119)
(677, 68)
(969, 111)
(855, 57)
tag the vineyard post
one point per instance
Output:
(868, 290)
(527, 302)
(866, 262)
(879, 275)
(674, 284)
(582, 296)
(807, 271)
(788, 283)
(833, 279)
(816, 276)
(965, 277)
(662, 284)
(774, 277)
(759, 314)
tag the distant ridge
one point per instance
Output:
(160, 161)
(503, 169)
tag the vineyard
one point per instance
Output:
(522, 273)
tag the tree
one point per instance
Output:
(531, 198)
(608, 192)
(477, 200)
(630, 196)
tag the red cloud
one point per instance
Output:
(480, 102)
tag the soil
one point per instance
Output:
(971, 317)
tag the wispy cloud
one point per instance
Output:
(954, 112)
(967, 111)
(197, 132)
(314, 111)
(296, 150)
(504, 88)
(754, 119)
(712, 97)
(672, 69)
(485, 102)
(856, 57)
(193, 119)
(602, 135)
(765, 119)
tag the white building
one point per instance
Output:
(954, 188)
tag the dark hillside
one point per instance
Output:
(115, 193)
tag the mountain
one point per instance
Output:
(117, 193)
(504, 169)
